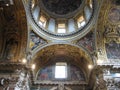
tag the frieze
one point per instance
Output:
(58, 82)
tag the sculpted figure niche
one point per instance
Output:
(11, 49)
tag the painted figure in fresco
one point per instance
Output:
(35, 41)
(45, 73)
(87, 41)
(11, 49)
(113, 50)
(76, 74)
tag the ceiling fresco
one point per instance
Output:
(35, 41)
(62, 19)
(14, 31)
(101, 42)
(113, 50)
(62, 7)
(108, 33)
(87, 42)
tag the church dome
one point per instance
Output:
(60, 8)
(62, 19)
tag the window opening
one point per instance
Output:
(61, 70)
(61, 28)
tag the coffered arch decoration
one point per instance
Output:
(14, 30)
(108, 33)
(62, 53)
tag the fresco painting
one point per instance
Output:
(87, 41)
(35, 40)
(76, 73)
(45, 73)
(114, 15)
(113, 50)
(62, 7)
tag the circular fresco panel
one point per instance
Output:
(62, 7)
(114, 15)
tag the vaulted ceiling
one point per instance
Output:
(13, 28)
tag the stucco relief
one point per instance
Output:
(112, 33)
